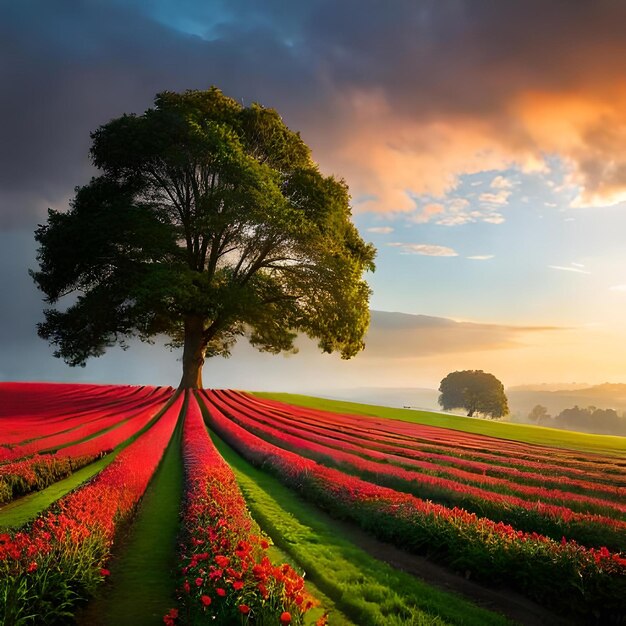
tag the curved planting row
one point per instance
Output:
(226, 574)
(563, 575)
(22, 477)
(454, 442)
(545, 518)
(594, 501)
(37, 472)
(78, 427)
(292, 421)
(43, 414)
(33, 400)
(58, 560)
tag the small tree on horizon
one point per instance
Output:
(475, 391)
(538, 414)
(209, 221)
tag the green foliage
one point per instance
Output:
(208, 213)
(473, 390)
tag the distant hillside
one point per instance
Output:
(605, 396)
(550, 387)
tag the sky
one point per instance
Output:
(484, 144)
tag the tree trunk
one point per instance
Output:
(471, 413)
(193, 353)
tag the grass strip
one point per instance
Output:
(142, 582)
(526, 433)
(23, 510)
(366, 590)
(278, 555)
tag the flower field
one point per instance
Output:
(547, 523)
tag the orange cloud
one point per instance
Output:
(490, 104)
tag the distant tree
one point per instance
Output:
(475, 391)
(538, 414)
(209, 221)
(607, 421)
(575, 418)
(591, 419)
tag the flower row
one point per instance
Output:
(591, 501)
(544, 474)
(564, 575)
(30, 411)
(533, 456)
(78, 427)
(48, 567)
(22, 477)
(226, 574)
(545, 518)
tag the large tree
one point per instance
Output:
(209, 221)
(475, 391)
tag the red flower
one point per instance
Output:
(237, 585)
(205, 600)
(32, 567)
(285, 617)
(222, 561)
(170, 618)
(104, 572)
(199, 582)
(221, 592)
(244, 608)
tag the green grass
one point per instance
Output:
(366, 590)
(277, 555)
(21, 511)
(601, 444)
(142, 583)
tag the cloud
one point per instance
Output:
(380, 230)
(500, 182)
(481, 257)
(564, 268)
(424, 249)
(501, 197)
(620, 288)
(494, 218)
(401, 335)
(456, 220)
(427, 212)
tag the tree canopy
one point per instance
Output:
(538, 414)
(209, 221)
(475, 391)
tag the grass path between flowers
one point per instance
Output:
(20, 511)
(525, 433)
(366, 590)
(142, 581)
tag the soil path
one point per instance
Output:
(509, 603)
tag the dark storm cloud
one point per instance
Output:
(68, 66)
